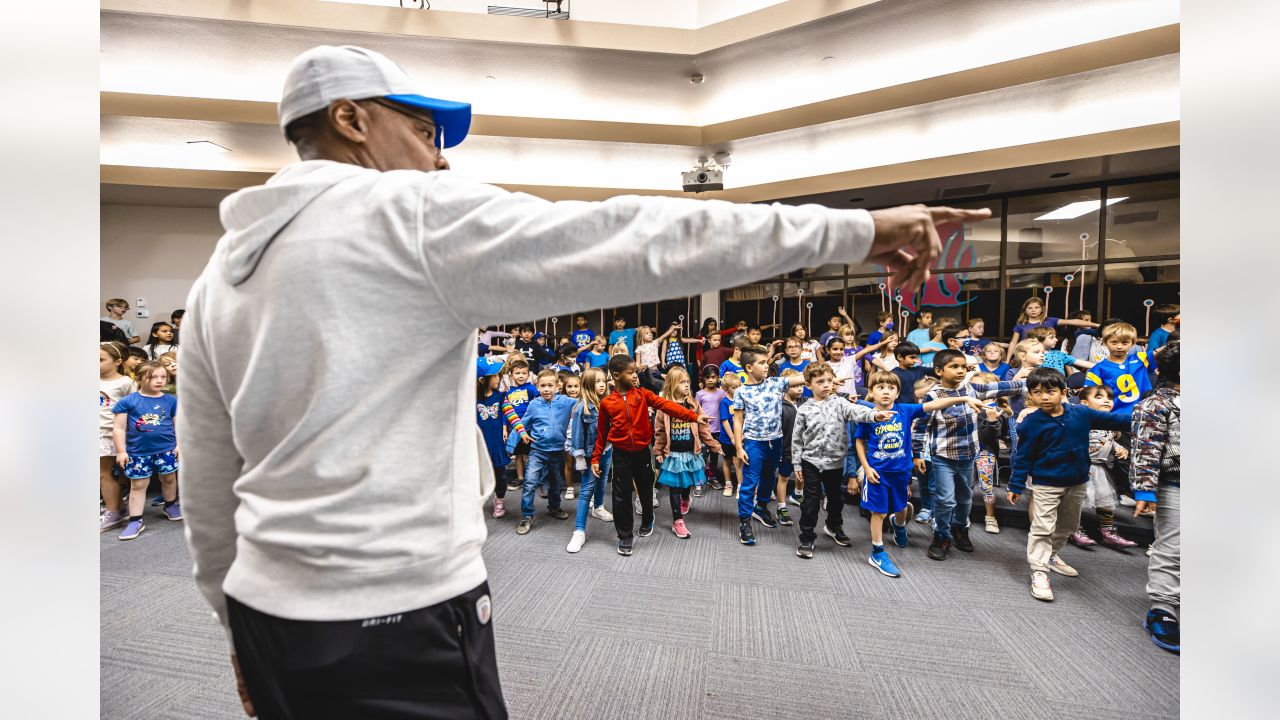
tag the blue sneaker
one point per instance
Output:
(1163, 630)
(880, 561)
(173, 512)
(132, 530)
(925, 516)
(157, 501)
(899, 532)
(744, 533)
(764, 516)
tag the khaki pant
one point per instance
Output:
(1055, 515)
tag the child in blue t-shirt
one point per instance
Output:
(791, 360)
(1126, 373)
(595, 355)
(733, 469)
(514, 403)
(884, 452)
(621, 333)
(582, 336)
(146, 444)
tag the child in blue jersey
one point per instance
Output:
(146, 444)
(515, 401)
(546, 420)
(733, 364)
(732, 468)
(492, 423)
(885, 453)
(622, 334)
(1124, 371)
(757, 431)
(582, 336)
(1053, 448)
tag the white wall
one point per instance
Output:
(154, 253)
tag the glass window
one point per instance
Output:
(973, 244)
(1054, 228)
(1145, 222)
(1130, 285)
(1063, 298)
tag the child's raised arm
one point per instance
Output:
(1000, 389)
(1077, 323)
(943, 403)
(670, 331)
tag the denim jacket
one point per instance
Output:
(582, 431)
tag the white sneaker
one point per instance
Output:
(1056, 565)
(1127, 501)
(600, 513)
(728, 490)
(635, 504)
(577, 541)
(109, 520)
(1040, 589)
(568, 493)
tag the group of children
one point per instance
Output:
(859, 417)
(137, 403)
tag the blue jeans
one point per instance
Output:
(592, 489)
(952, 484)
(926, 495)
(548, 464)
(763, 458)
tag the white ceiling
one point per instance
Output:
(687, 14)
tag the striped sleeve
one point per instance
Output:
(509, 411)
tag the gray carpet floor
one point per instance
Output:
(709, 628)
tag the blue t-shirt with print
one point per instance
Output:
(974, 346)
(582, 338)
(761, 406)
(889, 442)
(627, 336)
(1058, 360)
(520, 397)
(150, 429)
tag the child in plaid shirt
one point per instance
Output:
(952, 437)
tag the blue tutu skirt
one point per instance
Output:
(682, 470)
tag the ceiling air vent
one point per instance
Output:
(553, 10)
(1136, 217)
(962, 192)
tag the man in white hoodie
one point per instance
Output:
(332, 477)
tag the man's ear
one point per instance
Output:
(349, 120)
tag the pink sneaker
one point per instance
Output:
(684, 506)
(680, 530)
(499, 507)
(1111, 538)
(1081, 539)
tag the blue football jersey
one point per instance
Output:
(1128, 379)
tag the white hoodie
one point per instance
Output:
(331, 468)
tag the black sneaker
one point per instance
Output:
(624, 546)
(938, 548)
(784, 517)
(526, 524)
(645, 530)
(744, 533)
(515, 485)
(961, 537)
(838, 536)
(557, 513)
(805, 551)
(764, 516)
(1163, 630)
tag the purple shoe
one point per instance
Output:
(173, 512)
(1111, 538)
(1080, 538)
(132, 530)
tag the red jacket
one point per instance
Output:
(626, 417)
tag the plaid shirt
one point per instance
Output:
(953, 433)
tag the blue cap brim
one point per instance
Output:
(453, 119)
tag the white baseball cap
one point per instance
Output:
(326, 73)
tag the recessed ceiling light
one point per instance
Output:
(208, 146)
(490, 77)
(1059, 175)
(828, 58)
(1077, 209)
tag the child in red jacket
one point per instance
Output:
(624, 423)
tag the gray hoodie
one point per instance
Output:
(331, 469)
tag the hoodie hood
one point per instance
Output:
(253, 217)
